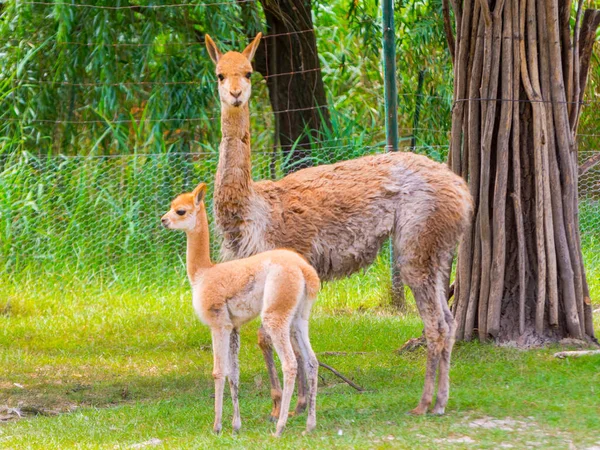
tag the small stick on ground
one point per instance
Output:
(576, 354)
(335, 372)
(341, 353)
(412, 344)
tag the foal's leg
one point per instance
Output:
(265, 344)
(220, 341)
(300, 382)
(280, 334)
(234, 376)
(311, 366)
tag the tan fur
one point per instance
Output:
(278, 285)
(338, 216)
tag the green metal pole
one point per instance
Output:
(389, 72)
(391, 122)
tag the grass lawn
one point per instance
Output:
(115, 368)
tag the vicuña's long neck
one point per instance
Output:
(233, 183)
(198, 248)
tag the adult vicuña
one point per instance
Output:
(278, 285)
(338, 216)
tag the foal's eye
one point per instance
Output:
(180, 212)
(248, 75)
(220, 77)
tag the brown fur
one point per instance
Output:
(278, 285)
(338, 216)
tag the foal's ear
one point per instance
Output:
(199, 193)
(213, 51)
(251, 49)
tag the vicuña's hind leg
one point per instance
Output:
(436, 333)
(265, 344)
(311, 366)
(444, 372)
(300, 377)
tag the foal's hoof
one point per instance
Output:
(310, 426)
(273, 418)
(438, 410)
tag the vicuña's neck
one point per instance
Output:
(233, 183)
(235, 121)
(198, 248)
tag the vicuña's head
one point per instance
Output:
(234, 71)
(185, 210)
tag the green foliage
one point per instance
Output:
(130, 75)
(81, 80)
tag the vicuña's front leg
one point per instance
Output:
(234, 376)
(220, 341)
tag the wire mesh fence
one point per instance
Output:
(136, 122)
(98, 216)
(589, 211)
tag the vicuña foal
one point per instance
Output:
(338, 216)
(278, 285)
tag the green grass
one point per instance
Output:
(123, 366)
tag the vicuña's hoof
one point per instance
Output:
(418, 411)
(273, 418)
(300, 408)
(217, 429)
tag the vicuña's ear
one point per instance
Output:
(251, 49)
(199, 193)
(212, 48)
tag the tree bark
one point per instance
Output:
(518, 94)
(288, 59)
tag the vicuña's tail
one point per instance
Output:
(313, 284)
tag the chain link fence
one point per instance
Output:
(589, 213)
(98, 216)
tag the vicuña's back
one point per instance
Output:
(338, 216)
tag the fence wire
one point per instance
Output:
(98, 215)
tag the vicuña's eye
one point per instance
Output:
(180, 212)
(221, 77)
(248, 75)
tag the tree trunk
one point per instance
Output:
(520, 73)
(288, 59)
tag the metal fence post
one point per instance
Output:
(391, 122)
